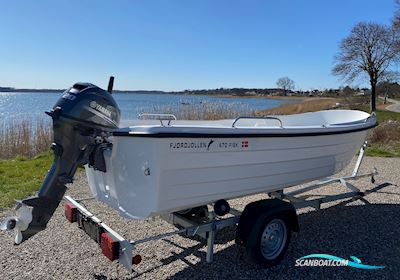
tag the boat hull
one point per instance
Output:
(148, 175)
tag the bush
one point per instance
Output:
(386, 133)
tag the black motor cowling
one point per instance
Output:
(89, 105)
(83, 118)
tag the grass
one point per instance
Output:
(376, 150)
(384, 140)
(387, 115)
(309, 105)
(24, 158)
(22, 176)
(382, 114)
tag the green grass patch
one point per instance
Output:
(387, 115)
(21, 177)
(382, 115)
(390, 150)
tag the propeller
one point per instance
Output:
(20, 221)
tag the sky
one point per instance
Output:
(178, 45)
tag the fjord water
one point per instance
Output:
(32, 105)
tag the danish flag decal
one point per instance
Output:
(245, 144)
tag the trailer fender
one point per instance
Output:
(256, 212)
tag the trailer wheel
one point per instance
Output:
(267, 244)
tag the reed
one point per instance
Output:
(206, 111)
(24, 137)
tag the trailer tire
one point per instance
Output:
(269, 240)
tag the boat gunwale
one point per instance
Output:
(281, 132)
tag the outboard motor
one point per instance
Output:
(83, 118)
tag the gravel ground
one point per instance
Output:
(367, 228)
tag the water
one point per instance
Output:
(26, 105)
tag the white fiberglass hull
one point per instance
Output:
(151, 175)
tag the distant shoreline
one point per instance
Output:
(62, 90)
(289, 99)
(268, 93)
(292, 98)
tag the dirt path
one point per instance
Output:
(395, 107)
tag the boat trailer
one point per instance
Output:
(250, 229)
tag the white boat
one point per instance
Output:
(160, 166)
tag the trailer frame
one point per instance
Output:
(208, 226)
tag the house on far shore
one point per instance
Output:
(365, 92)
(254, 93)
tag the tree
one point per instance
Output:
(285, 83)
(370, 49)
(387, 85)
(388, 89)
(396, 18)
(348, 91)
